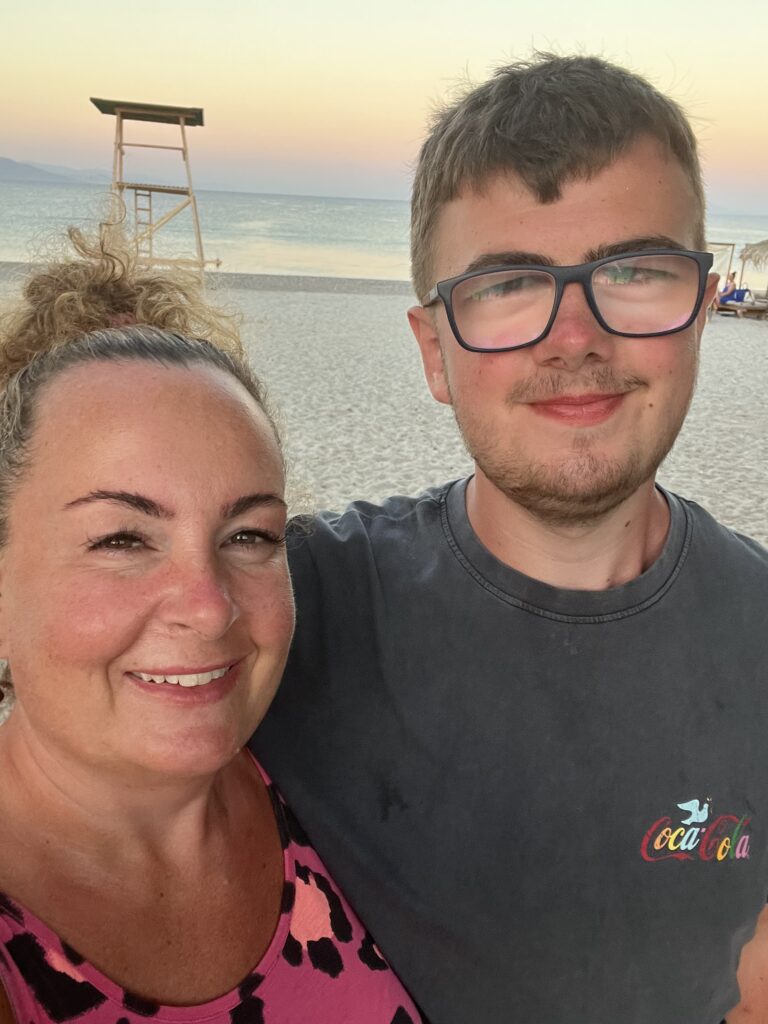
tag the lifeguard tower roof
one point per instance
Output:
(193, 116)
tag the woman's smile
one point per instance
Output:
(189, 687)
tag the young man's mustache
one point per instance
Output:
(545, 387)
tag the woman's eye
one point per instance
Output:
(122, 541)
(254, 538)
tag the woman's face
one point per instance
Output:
(145, 605)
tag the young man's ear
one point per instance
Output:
(710, 292)
(424, 327)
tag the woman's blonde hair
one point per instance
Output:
(105, 286)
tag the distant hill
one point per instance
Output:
(12, 170)
(87, 175)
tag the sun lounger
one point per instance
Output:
(745, 304)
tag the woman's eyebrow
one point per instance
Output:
(250, 501)
(137, 502)
(149, 507)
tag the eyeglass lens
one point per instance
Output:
(636, 296)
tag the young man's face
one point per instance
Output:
(579, 459)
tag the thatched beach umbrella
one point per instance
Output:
(756, 254)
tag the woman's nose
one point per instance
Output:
(198, 597)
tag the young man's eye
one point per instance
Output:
(124, 540)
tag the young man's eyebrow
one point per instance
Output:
(509, 259)
(137, 502)
(490, 260)
(251, 501)
(632, 245)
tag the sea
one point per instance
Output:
(273, 234)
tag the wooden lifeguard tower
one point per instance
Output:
(146, 225)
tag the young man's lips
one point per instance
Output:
(579, 410)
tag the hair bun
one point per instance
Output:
(104, 285)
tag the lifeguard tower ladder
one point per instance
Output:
(145, 224)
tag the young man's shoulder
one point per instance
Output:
(369, 523)
(410, 513)
(724, 546)
(403, 528)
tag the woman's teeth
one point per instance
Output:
(193, 679)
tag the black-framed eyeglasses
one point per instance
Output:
(644, 294)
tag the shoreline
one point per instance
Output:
(225, 281)
(220, 280)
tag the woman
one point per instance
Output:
(147, 866)
(728, 293)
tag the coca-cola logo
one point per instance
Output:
(694, 837)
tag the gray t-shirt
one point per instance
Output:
(548, 806)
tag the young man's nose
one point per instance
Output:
(576, 336)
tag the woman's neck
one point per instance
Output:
(109, 806)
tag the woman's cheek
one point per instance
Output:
(88, 617)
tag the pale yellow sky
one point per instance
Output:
(332, 98)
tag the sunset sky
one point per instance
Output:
(331, 98)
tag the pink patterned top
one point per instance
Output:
(321, 965)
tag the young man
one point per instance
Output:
(524, 718)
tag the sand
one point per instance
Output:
(358, 422)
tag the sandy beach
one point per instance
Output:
(358, 422)
(343, 371)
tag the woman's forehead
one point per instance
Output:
(134, 378)
(137, 416)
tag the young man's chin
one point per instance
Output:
(581, 490)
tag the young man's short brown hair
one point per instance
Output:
(548, 120)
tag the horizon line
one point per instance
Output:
(65, 180)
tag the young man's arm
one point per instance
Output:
(753, 978)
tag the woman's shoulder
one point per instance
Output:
(327, 958)
(6, 1013)
(320, 957)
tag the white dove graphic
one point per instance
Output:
(697, 812)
